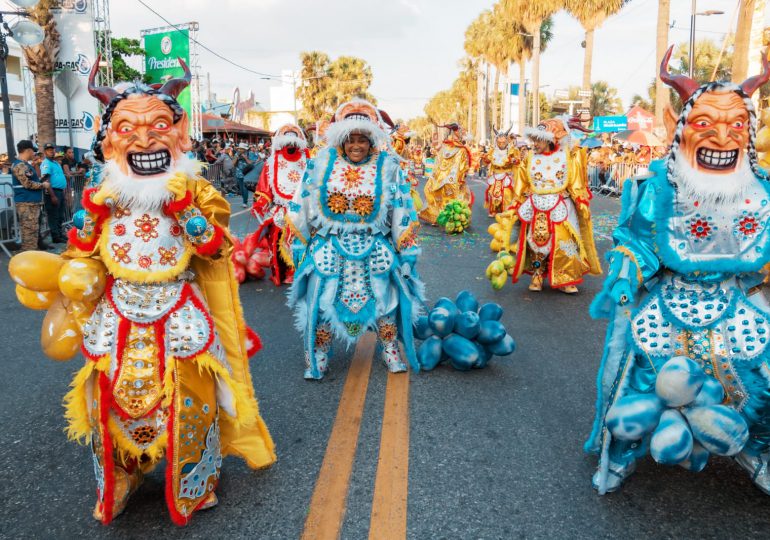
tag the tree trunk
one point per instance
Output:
(495, 96)
(742, 39)
(522, 96)
(587, 61)
(535, 31)
(488, 116)
(661, 90)
(481, 120)
(46, 117)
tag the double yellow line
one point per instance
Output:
(329, 501)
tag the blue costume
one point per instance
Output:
(685, 368)
(354, 249)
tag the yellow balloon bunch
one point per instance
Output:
(762, 142)
(499, 269)
(68, 288)
(501, 231)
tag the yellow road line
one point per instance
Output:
(327, 506)
(388, 521)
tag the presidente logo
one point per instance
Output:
(165, 45)
(81, 64)
(162, 63)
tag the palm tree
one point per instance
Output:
(531, 15)
(591, 14)
(41, 60)
(661, 90)
(742, 39)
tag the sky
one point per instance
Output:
(413, 46)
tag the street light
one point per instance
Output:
(27, 34)
(693, 14)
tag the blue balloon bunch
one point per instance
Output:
(684, 415)
(463, 333)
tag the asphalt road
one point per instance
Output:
(493, 453)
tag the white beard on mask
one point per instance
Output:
(711, 189)
(142, 192)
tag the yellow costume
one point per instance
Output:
(502, 169)
(147, 291)
(447, 182)
(763, 140)
(548, 228)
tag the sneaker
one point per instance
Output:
(245, 205)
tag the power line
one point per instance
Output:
(201, 45)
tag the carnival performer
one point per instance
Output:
(146, 289)
(400, 140)
(318, 133)
(355, 244)
(684, 373)
(503, 159)
(447, 181)
(548, 226)
(282, 174)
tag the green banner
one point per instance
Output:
(161, 53)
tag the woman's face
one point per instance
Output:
(357, 147)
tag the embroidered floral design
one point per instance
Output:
(338, 203)
(388, 332)
(323, 336)
(120, 252)
(122, 212)
(363, 205)
(538, 176)
(294, 176)
(748, 225)
(119, 229)
(282, 164)
(352, 177)
(146, 227)
(700, 228)
(144, 261)
(167, 256)
(560, 174)
(175, 230)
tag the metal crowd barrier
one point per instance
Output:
(215, 174)
(73, 197)
(10, 233)
(610, 180)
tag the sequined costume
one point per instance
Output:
(548, 224)
(147, 292)
(502, 171)
(447, 180)
(280, 177)
(690, 247)
(355, 247)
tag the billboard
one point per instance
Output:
(606, 124)
(75, 124)
(161, 52)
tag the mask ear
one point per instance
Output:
(670, 118)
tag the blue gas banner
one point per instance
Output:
(607, 124)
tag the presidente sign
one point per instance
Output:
(162, 51)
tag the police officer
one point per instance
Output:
(51, 171)
(27, 194)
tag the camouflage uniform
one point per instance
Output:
(28, 212)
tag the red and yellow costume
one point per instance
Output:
(503, 160)
(147, 292)
(400, 143)
(281, 176)
(447, 182)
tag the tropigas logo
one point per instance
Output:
(85, 122)
(80, 65)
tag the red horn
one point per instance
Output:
(105, 94)
(684, 86)
(750, 85)
(386, 118)
(174, 87)
(576, 123)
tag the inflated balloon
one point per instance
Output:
(712, 393)
(462, 353)
(484, 355)
(632, 417)
(60, 335)
(441, 321)
(467, 324)
(429, 353)
(35, 299)
(504, 347)
(491, 332)
(36, 270)
(491, 312)
(698, 459)
(83, 279)
(679, 381)
(719, 428)
(672, 440)
(422, 328)
(465, 301)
